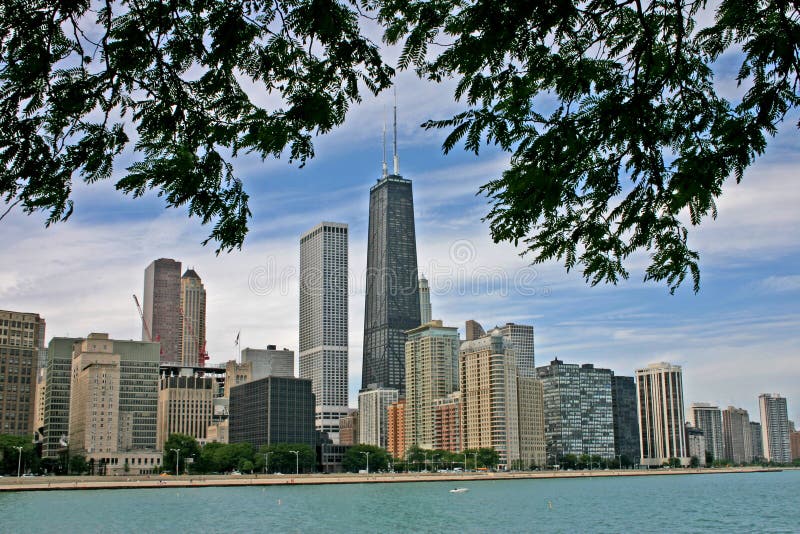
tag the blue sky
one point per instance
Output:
(736, 339)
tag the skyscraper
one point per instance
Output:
(425, 311)
(626, 420)
(323, 321)
(162, 307)
(269, 362)
(392, 288)
(756, 440)
(20, 335)
(775, 428)
(56, 395)
(736, 435)
(474, 330)
(185, 406)
(661, 419)
(708, 418)
(431, 373)
(521, 337)
(193, 320)
(373, 415)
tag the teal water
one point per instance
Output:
(753, 502)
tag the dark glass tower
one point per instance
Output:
(392, 302)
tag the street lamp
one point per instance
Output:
(465, 462)
(19, 460)
(367, 454)
(620, 460)
(266, 463)
(476, 460)
(177, 461)
(426, 462)
(296, 461)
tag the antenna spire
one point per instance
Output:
(396, 159)
(385, 167)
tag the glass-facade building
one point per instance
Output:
(20, 335)
(578, 410)
(272, 410)
(392, 287)
(626, 420)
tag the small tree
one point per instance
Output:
(78, 465)
(187, 446)
(694, 462)
(355, 458)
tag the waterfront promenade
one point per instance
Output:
(189, 481)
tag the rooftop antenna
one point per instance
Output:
(396, 159)
(385, 167)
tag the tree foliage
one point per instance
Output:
(283, 460)
(187, 83)
(618, 135)
(355, 459)
(188, 447)
(10, 456)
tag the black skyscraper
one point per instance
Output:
(392, 303)
(626, 416)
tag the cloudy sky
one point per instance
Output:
(736, 339)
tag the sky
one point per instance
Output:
(737, 338)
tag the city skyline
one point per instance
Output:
(745, 311)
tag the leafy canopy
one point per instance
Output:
(619, 139)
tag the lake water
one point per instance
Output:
(751, 502)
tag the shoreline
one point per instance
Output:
(9, 484)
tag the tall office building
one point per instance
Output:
(626, 420)
(162, 307)
(42, 344)
(271, 361)
(708, 418)
(774, 428)
(578, 410)
(275, 409)
(114, 403)
(185, 406)
(193, 320)
(323, 322)
(392, 288)
(696, 444)
(662, 435)
(373, 415)
(794, 445)
(20, 335)
(756, 440)
(425, 311)
(56, 395)
(348, 429)
(396, 431)
(431, 373)
(736, 435)
(473, 330)
(521, 337)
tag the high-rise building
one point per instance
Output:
(392, 287)
(269, 362)
(42, 344)
(489, 404)
(696, 444)
(425, 311)
(736, 435)
(794, 445)
(521, 337)
(431, 373)
(114, 404)
(323, 322)
(56, 395)
(348, 429)
(373, 414)
(708, 418)
(193, 320)
(774, 428)
(661, 417)
(532, 444)
(626, 420)
(20, 335)
(447, 423)
(38, 419)
(237, 373)
(275, 409)
(474, 330)
(756, 440)
(185, 406)
(578, 410)
(396, 431)
(162, 307)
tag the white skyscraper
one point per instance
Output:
(373, 420)
(662, 434)
(323, 321)
(775, 428)
(424, 301)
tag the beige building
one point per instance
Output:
(237, 373)
(185, 406)
(193, 320)
(489, 396)
(114, 403)
(348, 429)
(396, 442)
(41, 387)
(431, 373)
(532, 446)
(20, 337)
(662, 434)
(737, 437)
(217, 432)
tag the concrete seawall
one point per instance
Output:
(196, 481)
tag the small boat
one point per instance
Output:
(459, 490)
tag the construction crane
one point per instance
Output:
(144, 322)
